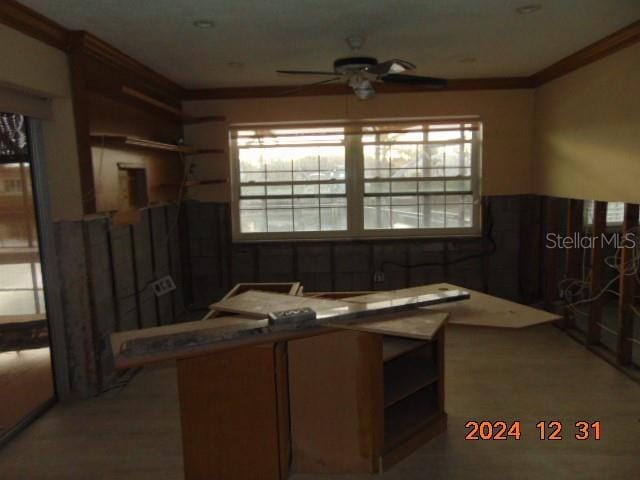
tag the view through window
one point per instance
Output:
(356, 180)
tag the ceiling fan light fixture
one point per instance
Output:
(526, 9)
(204, 23)
(355, 42)
(363, 89)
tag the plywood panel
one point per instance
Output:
(420, 324)
(480, 310)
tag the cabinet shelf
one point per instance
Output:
(409, 416)
(405, 377)
(393, 347)
(125, 141)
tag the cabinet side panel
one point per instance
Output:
(335, 384)
(229, 415)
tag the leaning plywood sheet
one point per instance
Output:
(480, 310)
(291, 288)
(418, 324)
(260, 304)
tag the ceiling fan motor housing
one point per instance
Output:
(348, 65)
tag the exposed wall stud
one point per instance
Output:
(597, 264)
(627, 288)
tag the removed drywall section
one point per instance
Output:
(351, 265)
(78, 319)
(586, 131)
(107, 271)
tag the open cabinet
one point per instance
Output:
(383, 400)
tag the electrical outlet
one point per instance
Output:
(163, 286)
(378, 277)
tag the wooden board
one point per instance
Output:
(255, 303)
(480, 310)
(418, 324)
(291, 288)
(259, 304)
(119, 339)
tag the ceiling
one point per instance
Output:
(252, 38)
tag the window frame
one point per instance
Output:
(354, 185)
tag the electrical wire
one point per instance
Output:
(572, 289)
(490, 251)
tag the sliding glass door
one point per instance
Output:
(26, 380)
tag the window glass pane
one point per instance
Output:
(280, 203)
(458, 216)
(252, 204)
(279, 176)
(377, 187)
(375, 201)
(432, 156)
(252, 191)
(333, 218)
(376, 156)
(306, 219)
(431, 216)
(402, 187)
(253, 221)
(251, 160)
(458, 185)
(404, 172)
(333, 202)
(432, 199)
(305, 202)
(408, 200)
(333, 189)
(405, 216)
(377, 173)
(377, 217)
(305, 189)
(252, 177)
(457, 172)
(279, 189)
(431, 186)
(280, 220)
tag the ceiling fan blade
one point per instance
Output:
(417, 80)
(305, 72)
(310, 85)
(390, 66)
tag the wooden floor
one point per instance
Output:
(532, 374)
(26, 383)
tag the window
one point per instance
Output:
(356, 180)
(615, 213)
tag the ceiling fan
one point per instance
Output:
(360, 72)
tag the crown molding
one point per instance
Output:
(35, 25)
(604, 47)
(25, 20)
(38, 26)
(88, 44)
